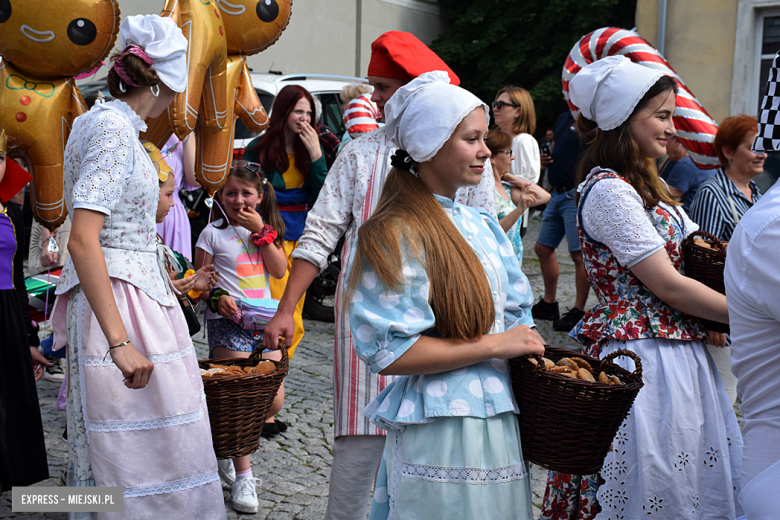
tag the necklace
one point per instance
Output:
(243, 244)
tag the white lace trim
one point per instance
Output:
(144, 424)
(82, 376)
(119, 105)
(157, 359)
(463, 475)
(172, 486)
(395, 474)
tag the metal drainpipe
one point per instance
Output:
(358, 35)
(661, 26)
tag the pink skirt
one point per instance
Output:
(154, 442)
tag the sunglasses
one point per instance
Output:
(498, 105)
(507, 152)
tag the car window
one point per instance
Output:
(242, 132)
(331, 112)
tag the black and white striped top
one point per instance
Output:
(712, 209)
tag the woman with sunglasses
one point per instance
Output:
(513, 195)
(514, 113)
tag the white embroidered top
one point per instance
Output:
(613, 213)
(107, 170)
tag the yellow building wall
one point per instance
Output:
(699, 45)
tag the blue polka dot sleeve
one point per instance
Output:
(384, 322)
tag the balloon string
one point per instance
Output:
(48, 278)
(169, 151)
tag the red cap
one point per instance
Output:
(14, 180)
(400, 55)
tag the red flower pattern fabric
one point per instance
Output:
(626, 310)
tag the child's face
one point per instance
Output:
(238, 195)
(166, 198)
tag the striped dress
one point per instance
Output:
(348, 198)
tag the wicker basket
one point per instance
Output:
(567, 425)
(706, 266)
(239, 404)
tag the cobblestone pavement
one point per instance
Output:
(295, 465)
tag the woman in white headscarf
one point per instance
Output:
(137, 417)
(437, 296)
(678, 453)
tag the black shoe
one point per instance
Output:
(569, 320)
(270, 429)
(545, 311)
(279, 424)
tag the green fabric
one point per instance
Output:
(184, 265)
(318, 170)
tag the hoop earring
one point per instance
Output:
(157, 92)
(122, 86)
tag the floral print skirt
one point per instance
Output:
(678, 454)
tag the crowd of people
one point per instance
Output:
(432, 299)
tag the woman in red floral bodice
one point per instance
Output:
(677, 454)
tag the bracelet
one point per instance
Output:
(261, 238)
(267, 239)
(115, 346)
(214, 297)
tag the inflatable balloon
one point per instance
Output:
(57, 39)
(695, 128)
(42, 44)
(254, 25)
(248, 27)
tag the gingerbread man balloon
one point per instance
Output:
(44, 44)
(245, 27)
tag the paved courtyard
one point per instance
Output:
(295, 466)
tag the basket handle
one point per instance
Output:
(637, 373)
(255, 356)
(709, 236)
(538, 357)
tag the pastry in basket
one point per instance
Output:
(265, 367)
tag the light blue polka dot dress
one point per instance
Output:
(449, 434)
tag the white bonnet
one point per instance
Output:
(608, 90)
(422, 115)
(162, 40)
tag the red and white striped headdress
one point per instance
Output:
(695, 127)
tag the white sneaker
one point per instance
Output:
(227, 471)
(245, 494)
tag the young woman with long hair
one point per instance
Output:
(137, 415)
(437, 297)
(677, 454)
(293, 161)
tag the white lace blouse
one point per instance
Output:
(107, 170)
(613, 213)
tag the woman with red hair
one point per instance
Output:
(291, 156)
(722, 201)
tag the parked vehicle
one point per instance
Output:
(324, 87)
